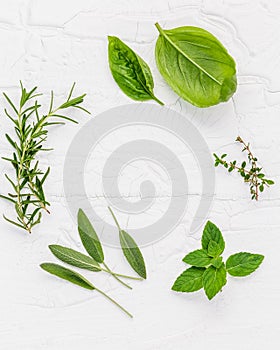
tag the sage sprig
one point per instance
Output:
(130, 250)
(31, 130)
(208, 270)
(92, 243)
(252, 175)
(76, 278)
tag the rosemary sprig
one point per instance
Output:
(253, 175)
(31, 129)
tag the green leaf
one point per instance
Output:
(189, 281)
(67, 275)
(242, 264)
(195, 65)
(132, 253)
(217, 262)
(269, 182)
(130, 72)
(198, 258)
(74, 258)
(89, 237)
(213, 280)
(214, 249)
(212, 233)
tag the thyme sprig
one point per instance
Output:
(253, 175)
(31, 129)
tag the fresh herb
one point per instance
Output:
(252, 175)
(208, 270)
(76, 278)
(131, 251)
(130, 71)
(82, 261)
(92, 243)
(95, 259)
(31, 130)
(196, 65)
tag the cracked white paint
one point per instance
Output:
(53, 43)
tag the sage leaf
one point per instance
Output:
(67, 275)
(74, 258)
(243, 264)
(195, 65)
(189, 281)
(198, 258)
(76, 278)
(212, 233)
(132, 253)
(213, 280)
(130, 72)
(89, 237)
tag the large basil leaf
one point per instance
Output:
(130, 72)
(196, 65)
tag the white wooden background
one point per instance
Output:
(53, 43)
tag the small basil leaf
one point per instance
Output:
(89, 237)
(130, 72)
(198, 258)
(212, 233)
(74, 258)
(189, 281)
(132, 253)
(242, 264)
(195, 65)
(214, 249)
(67, 275)
(213, 280)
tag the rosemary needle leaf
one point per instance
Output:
(31, 130)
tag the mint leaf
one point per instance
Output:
(214, 249)
(198, 258)
(242, 264)
(190, 280)
(213, 280)
(217, 262)
(212, 233)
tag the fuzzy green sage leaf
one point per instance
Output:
(89, 237)
(74, 258)
(67, 275)
(130, 250)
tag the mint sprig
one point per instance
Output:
(208, 270)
